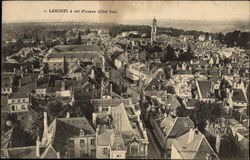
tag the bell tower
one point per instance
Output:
(153, 30)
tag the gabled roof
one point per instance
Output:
(205, 89)
(238, 95)
(6, 138)
(174, 127)
(196, 148)
(110, 102)
(24, 152)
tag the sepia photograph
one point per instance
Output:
(125, 80)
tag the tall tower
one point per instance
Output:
(153, 30)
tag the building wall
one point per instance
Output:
(41, 91)
(118, 154)
(18, 104)
(100, 152)
(85, 147)
(118, 63)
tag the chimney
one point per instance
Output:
(191, 135)
(63, 86)
(14, 70)
(184, 66)
(45, 123)
(20, 82)
(217, 144)
(92, 74)
(111, 87)
(11, 80)
(171, 72)
(68, 115)
(212, 87)
(38, 147)
(58, 155)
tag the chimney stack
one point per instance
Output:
(38, 147)
(191, 135)
(58, 155)
(68, 115)
(20, 82)
(111, 87)
(63, 86)
(92, 74)
(45, 122)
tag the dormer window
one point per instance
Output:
(81, 132)
(118, 147)
(153, 87)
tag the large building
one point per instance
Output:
(62, 58)
(70, 137)
(119, 131)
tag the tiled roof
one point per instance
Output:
(103, 139)
(191, 102)
(24, 152)
(195, 149)
(75, 51)
(6, 138)
(110, 102)
(118, 143)
(74, 125)
(18, 95)
(74, 48)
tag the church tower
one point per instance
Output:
(153, 30)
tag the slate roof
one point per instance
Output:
(64, 128)
(75, 51)
(5, 80)
(174, 127)
(4, 104)
(205, 87)
(238, 95)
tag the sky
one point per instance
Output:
(36, 11)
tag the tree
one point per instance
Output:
(87, 31)
(171, 89)
(36, 127)
(201, 113)
(57, 110)
(169, 53)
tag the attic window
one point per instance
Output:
(118, 147)
(153, 87)
(81, 132)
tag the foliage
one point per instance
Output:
(170, 89)
(36, 127)
(201, 113)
